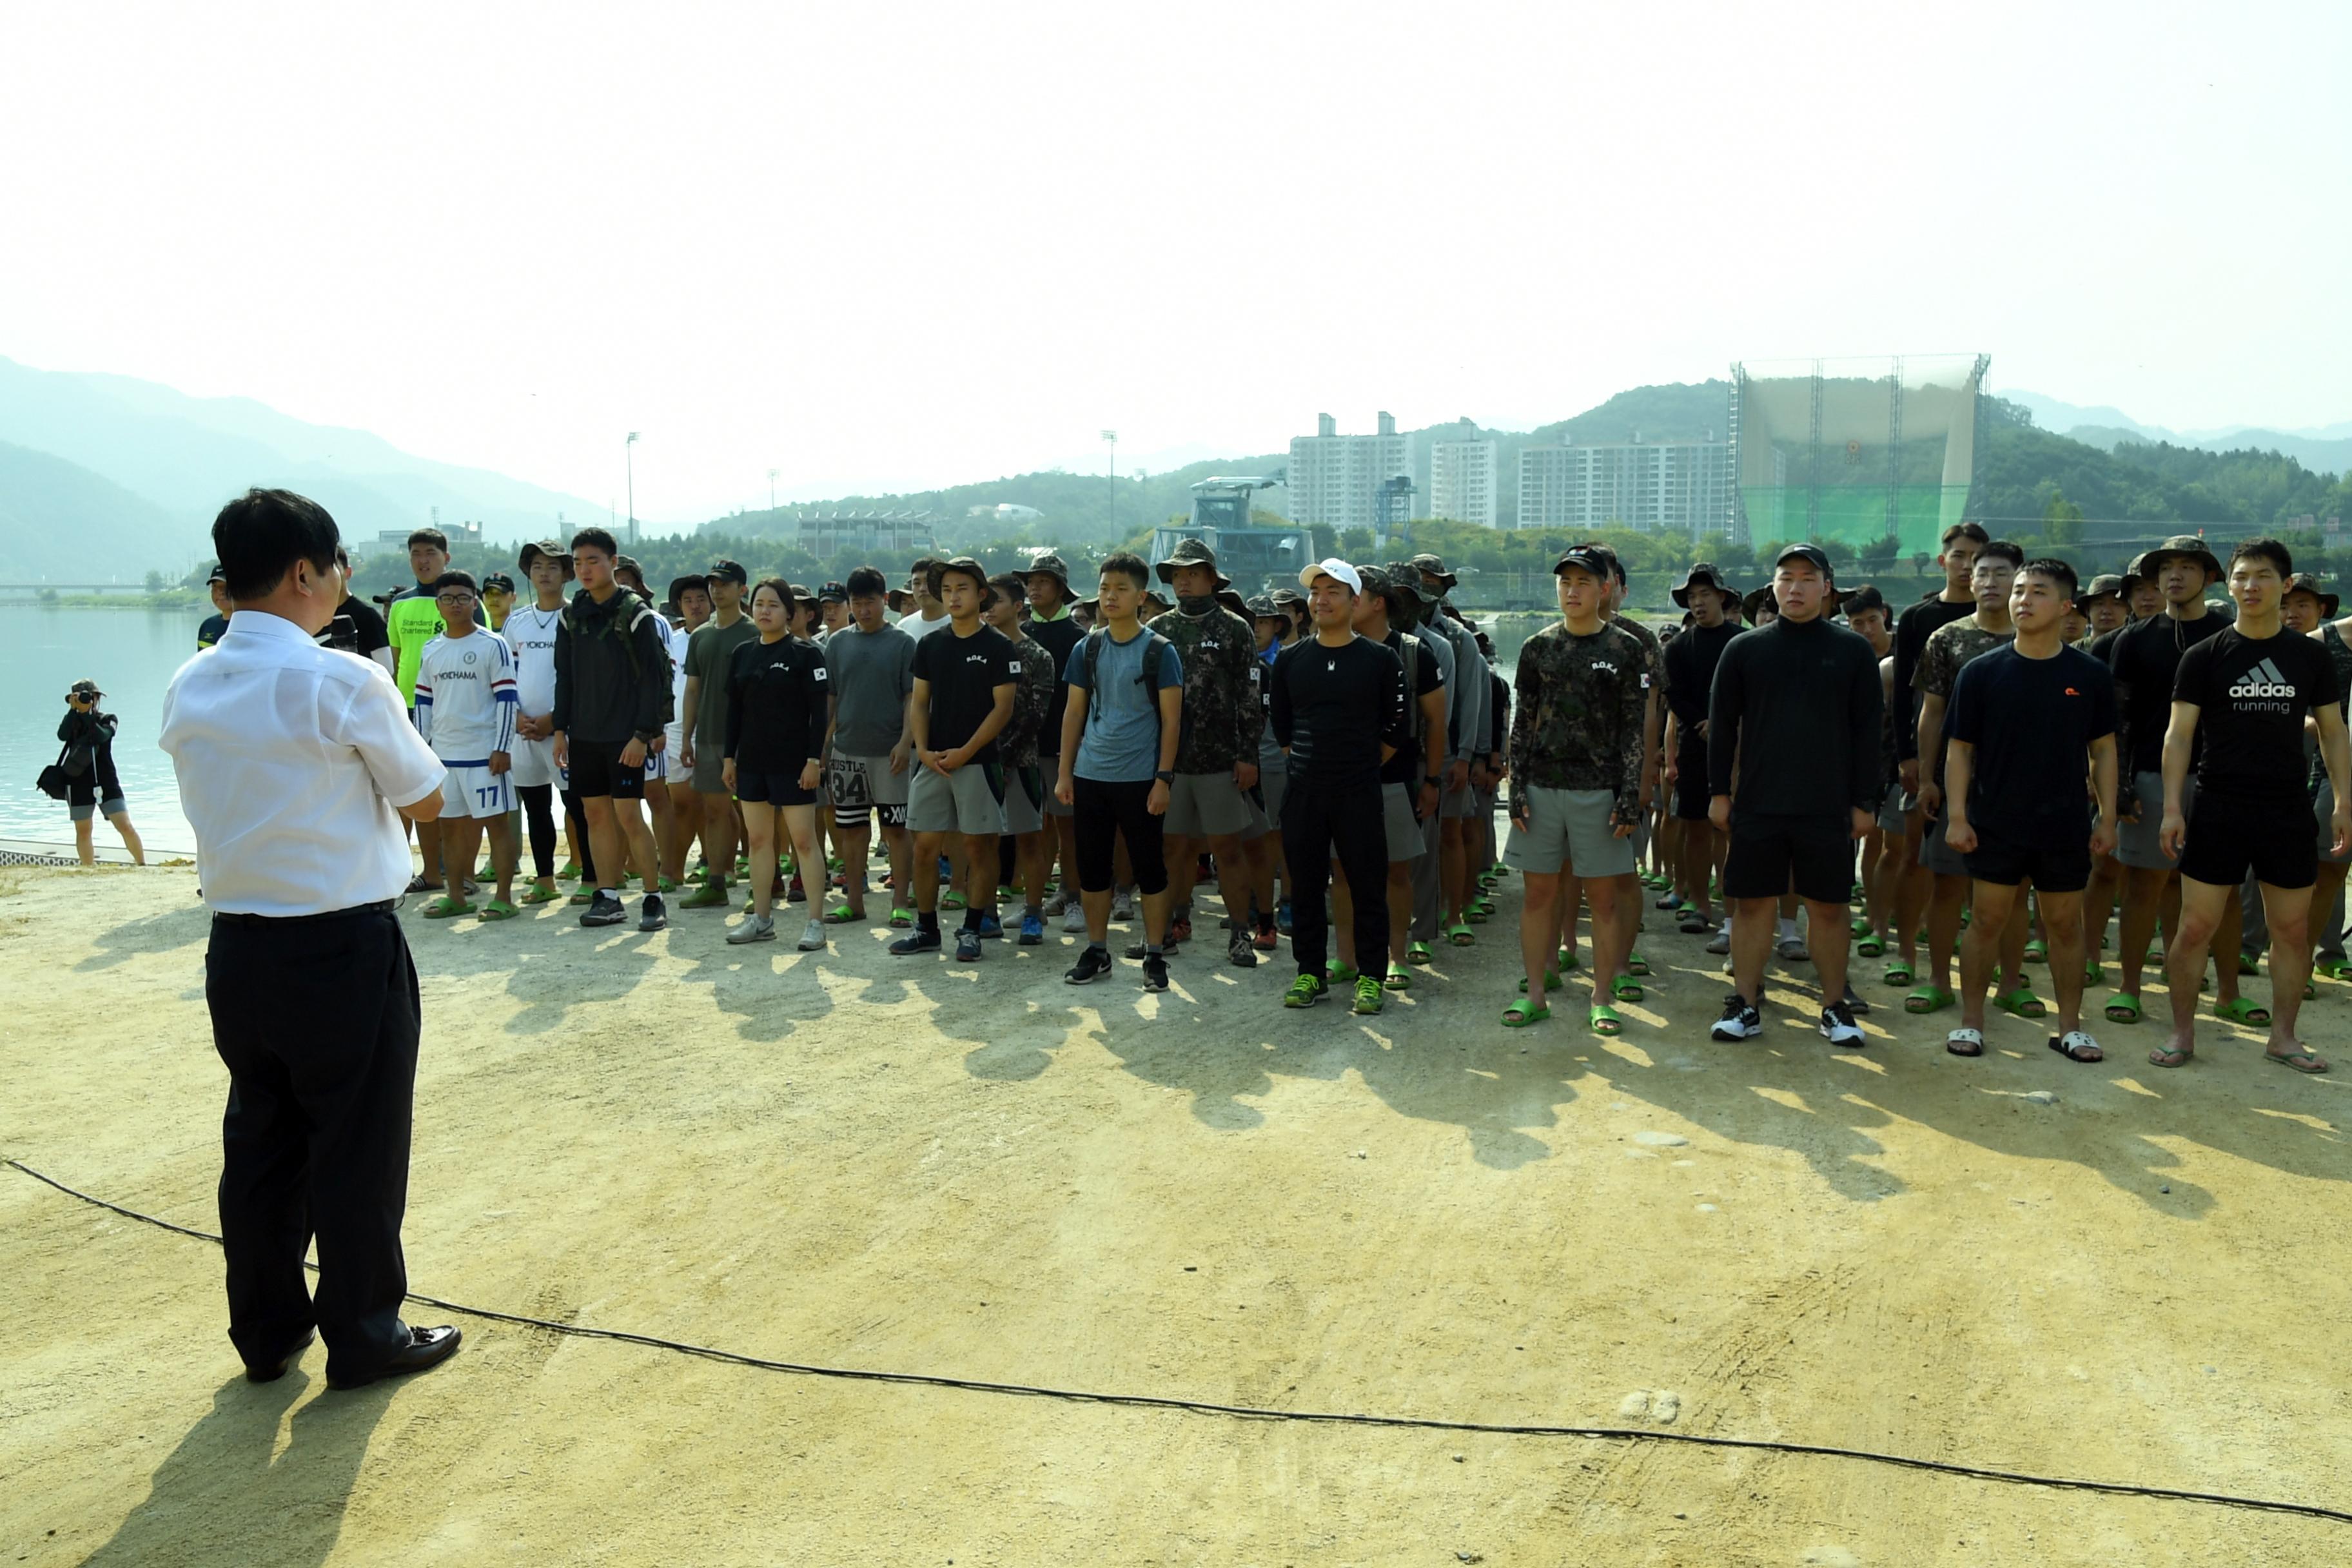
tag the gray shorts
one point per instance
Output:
(1463, 802)
(1050, 769)
(969, 800)
(2323, 808)
(1939, 856)
(857, 786)
(113, 805)
(1890, 813)
(709, 758)
(1024, 806)
(1204, 805)
(1273, 783)
(1403, 832)
(2137, 843)
(1569, 830)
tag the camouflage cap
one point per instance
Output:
(1261, 607)
(2187, 544)
(2100, 586)
(1053, 566)
(2304, 583)
(1436, 567)
(1190, 552)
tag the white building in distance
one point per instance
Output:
(1462, 481)
(1657, 487)
(1337, 480)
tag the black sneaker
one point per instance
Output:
(1139, 950)
(651, 916)
(1092, 966)
(1854, 1004)
(1241, 953)
(967, 946)
(1839, 1028)
(1155, 972)
(916, 941)
(1741, 1020)
(603, 910)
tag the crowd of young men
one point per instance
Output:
(1990, 772)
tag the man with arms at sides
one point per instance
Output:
(1956, 601)
(2103, 603)
(1340, 711)
(2026, 724)
(1054, 628)
(1867, 616)
(1795, 713)
(1949, 648)
(281, 746)
(870, 667)
(2249, 689)
(612, 701)
(1120, 734)
(1468, 693)
(663, 763)
(1410, 780)
(710, 653)
(412, 619)
(1582, 699)
(2146, 660)
(1216, 760)
(1024, 787)
(465, 711)
(965, 680)
(530, 632)
(1273, 631)
(690, 596)
(1690, 661)
(1410, 605)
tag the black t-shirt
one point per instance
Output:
(1058, 638)
(2031, 722)
(1916, 625)
(214, 627)
(2146, 660)
(1411, 765)
(964, 673)
(358, 627)
(776, 715)
(1690, 673)
(1334, 707)
(2251, 695)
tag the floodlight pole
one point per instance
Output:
(629, 459)
(1110, 514)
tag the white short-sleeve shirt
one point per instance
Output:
(290, 759)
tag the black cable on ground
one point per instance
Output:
(1324, 1417)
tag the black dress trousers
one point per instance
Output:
(317, 1020)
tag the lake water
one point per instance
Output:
(131, 654)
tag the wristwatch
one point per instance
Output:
(1164, 776)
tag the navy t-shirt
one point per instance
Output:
(2031, 722)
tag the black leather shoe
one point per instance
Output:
(270, 1372)
(425, 1348)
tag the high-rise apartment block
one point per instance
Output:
(1657, 487)
(1338, 480)
(1462, 481)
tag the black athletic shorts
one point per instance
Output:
(1766, 852)
(2002, 861)
(1691, 797)
(782, 788)
(2226, 837)
(595, 768)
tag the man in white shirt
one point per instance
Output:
(928, 614)
(297, 764)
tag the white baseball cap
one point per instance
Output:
(1338, 571)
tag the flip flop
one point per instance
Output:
(1636, 965)
(2077, 1047)
(2333, 969)
(2250, 964)
(2164, 1057)
(535, 894)
(843, 915)
(1693, 923)
(1477, 914)
(1858, 926)
(2021, 1002)
(2310, 991)
(2300, 1061)
(1400, 978)
(2122, 1009)
(2239, 1010)
(1964, 1042)
(1418, 952)
(1604, 1020)
(1871, 945)
(1552, 982)
(2037, 952)
(1569, 961)
(444, 907)
(1927, 999)
(1522, 1013)
(1460, 935)
(1897, 974)
(951, 901)
(2093, 974)
(1625, 988)
(499, 909)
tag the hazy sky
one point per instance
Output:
(889, 246)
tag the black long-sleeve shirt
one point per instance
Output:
(1335, 706)
(776, 709)
(612, 670)
(1796, 710)
(1690, 662)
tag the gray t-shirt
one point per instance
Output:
(871, 673)
(1120, 741)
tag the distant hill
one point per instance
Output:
(2324, 450)
(186, 455)
(61, 524)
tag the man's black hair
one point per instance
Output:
(1964, 531)
(2269, 550)
(432, 536)
(1011, 585)
(2058, 572)
(868, 583)
(260, 535)
(1129, 563)
(2002, 550)
(597, 539)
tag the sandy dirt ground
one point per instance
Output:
(974, 1170)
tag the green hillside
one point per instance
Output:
(61, 524)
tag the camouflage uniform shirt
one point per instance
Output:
(1950, 647)
(1580, 705)
(1222, 712)
(1033, 699)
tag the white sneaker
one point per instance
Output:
(755, 928)
(1074, 917)
(1720, 942)
(1122, 908)
(1056, 905)
(813, 938)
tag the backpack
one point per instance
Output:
(1091, 651)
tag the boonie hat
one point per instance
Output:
(2187, 544)
(1190, 552)
(548, 548)
(1436, 567)
(2100, 586)
(1261, 607)
(1052, 565)
(2304, 583)
(678, 585)
(1702, 574)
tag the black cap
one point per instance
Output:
(833, 593)
(498, 580)
(725, 571)
(1584, 557)
(216, 575)
(1800, 550)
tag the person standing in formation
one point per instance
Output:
(465, 712)
(612, 703)
(778, 704)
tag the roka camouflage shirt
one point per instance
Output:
(1033, 699)
(1580, 708)
(1950, 647)
(1222, 713)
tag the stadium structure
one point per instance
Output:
(1855, 450)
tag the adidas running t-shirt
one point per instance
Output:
(2252, 694)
